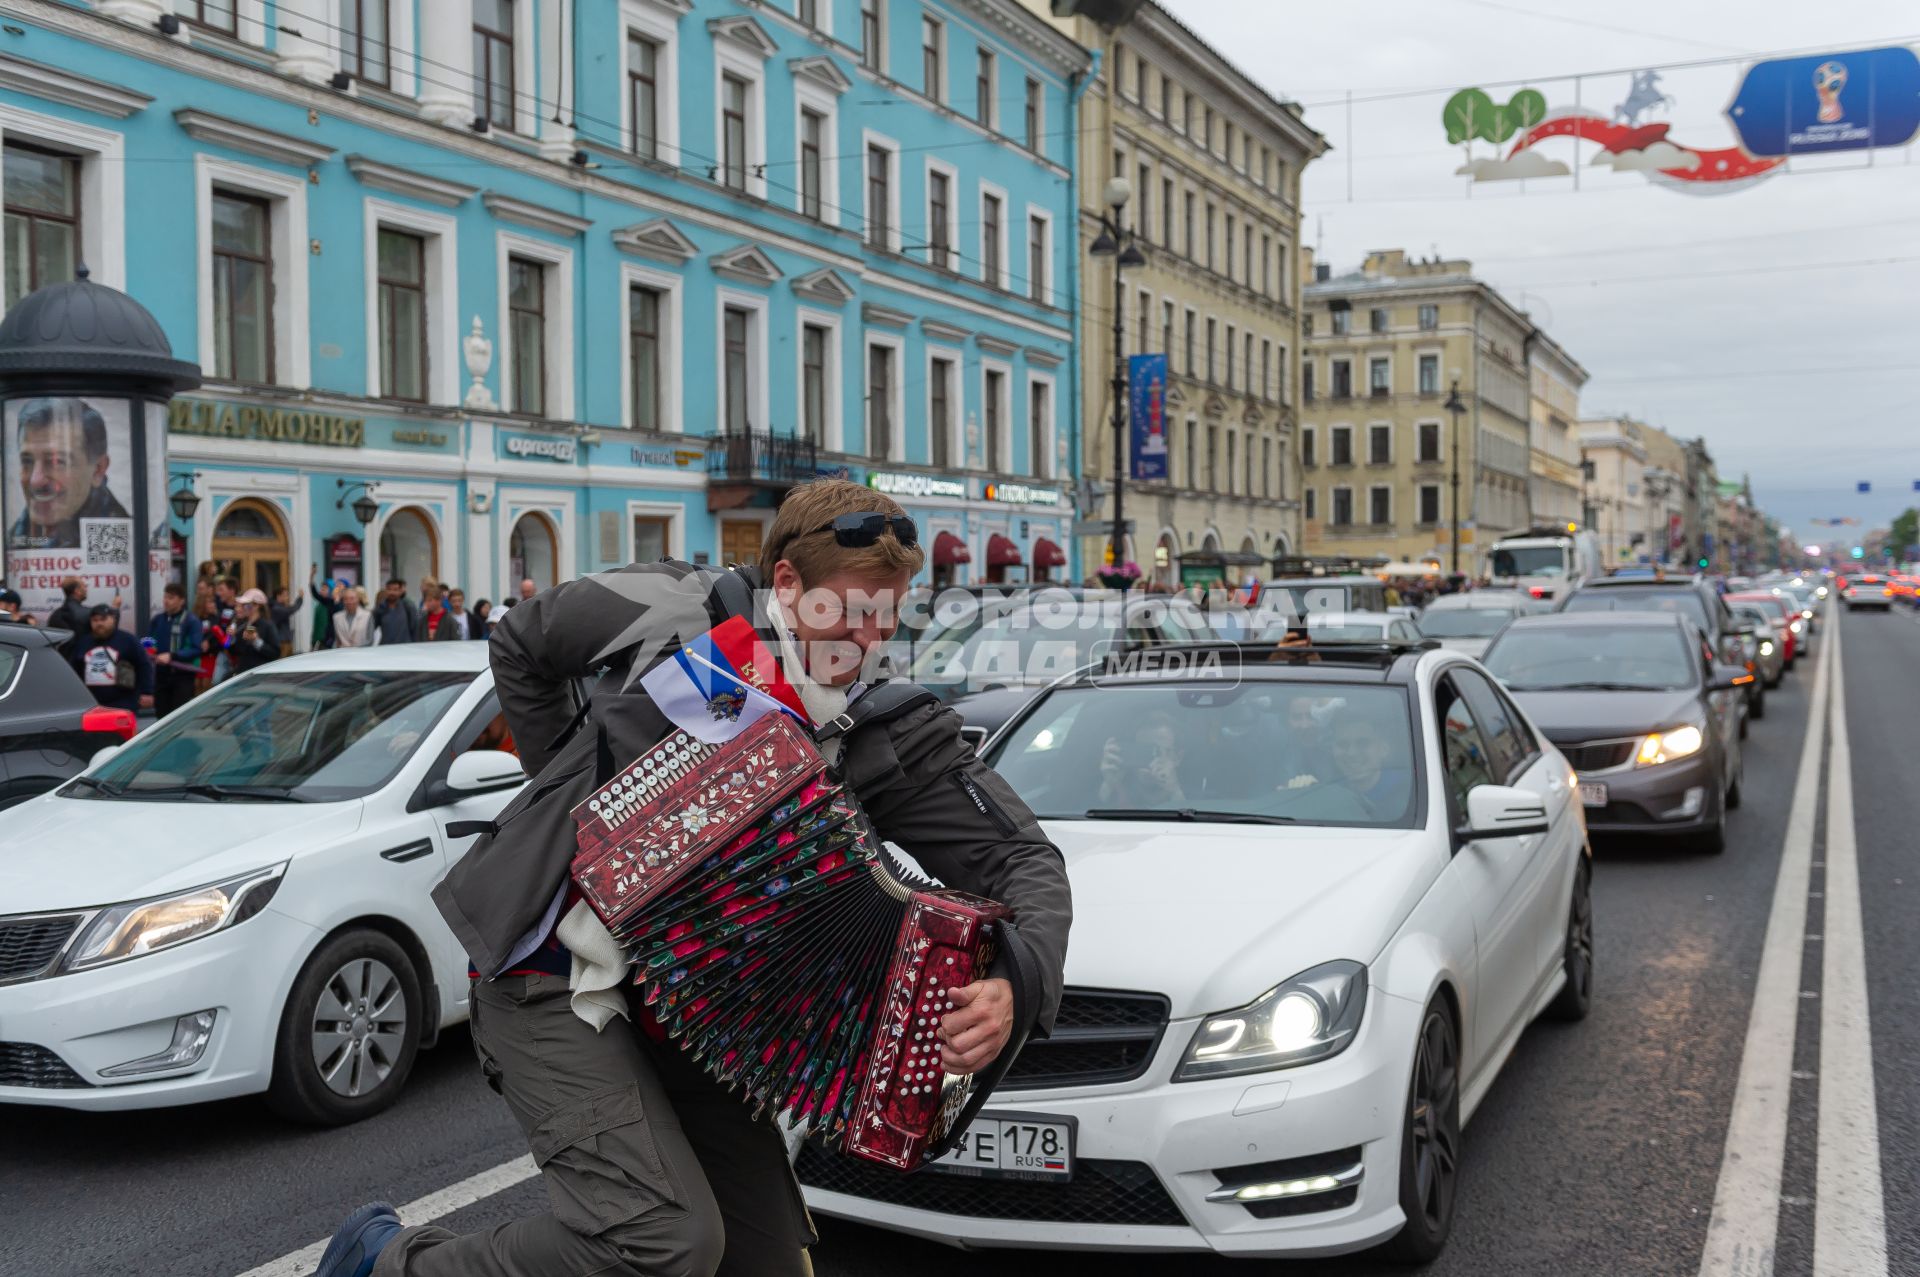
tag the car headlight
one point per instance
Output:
(119, 932)
(1311, 1017)
(1664, 747)
(1797, 626)
(1766, 648)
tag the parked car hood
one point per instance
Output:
(1571, 717)
(1213, 916)
(67, 853)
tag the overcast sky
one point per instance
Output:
(1731, 316)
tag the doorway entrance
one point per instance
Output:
(739, 541)
(250, 545)
(531, 552)
(409, 549)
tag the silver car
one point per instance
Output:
(1770, 656)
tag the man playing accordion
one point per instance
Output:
(650, 1166)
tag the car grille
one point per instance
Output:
(24, 1064)
(1593, 756)
(1098, 1038)
(1101, 1192)
(28, 946)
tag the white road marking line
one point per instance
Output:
(423, 1210)
(1850, 1226)
(1746, 1201)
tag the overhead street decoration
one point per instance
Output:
(1783, 107)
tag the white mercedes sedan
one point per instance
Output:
(236, 900)
(1319, 895)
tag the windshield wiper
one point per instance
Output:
(105, 787)
(227, 793)
(1599, 687)
(1190, 814)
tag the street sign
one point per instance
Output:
(1852, 101)
(1099, 528)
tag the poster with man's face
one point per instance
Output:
(68, 482)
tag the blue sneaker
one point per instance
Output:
(359, 1242)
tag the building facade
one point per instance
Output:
(1616, 492)
(589, 284)
(1213, 163)
(1667, 496)
(1554, 432)
(1380, 451)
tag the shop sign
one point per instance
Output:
(677, 458)
(420, 438)
(549, 447)
(916, 485)
(1021, 494)
(254, 421)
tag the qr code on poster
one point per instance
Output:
(106, 541)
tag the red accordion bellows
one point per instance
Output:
(775, 944)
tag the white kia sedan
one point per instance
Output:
(236, 900)
(1317, 900)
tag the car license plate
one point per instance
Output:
(1592, 794)
(1030, 1146)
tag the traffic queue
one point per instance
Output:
(1363, 832)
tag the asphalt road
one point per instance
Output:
(1598, 1150)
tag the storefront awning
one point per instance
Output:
(1001, 552)
(949, 549)
(1048, 555)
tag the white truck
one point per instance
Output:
(1543, 562)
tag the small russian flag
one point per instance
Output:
(707, 696)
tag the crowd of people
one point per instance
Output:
(191, 644)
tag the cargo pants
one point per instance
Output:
(651, 1169)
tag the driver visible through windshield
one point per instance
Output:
(1320, 754)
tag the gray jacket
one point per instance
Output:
(922, 785)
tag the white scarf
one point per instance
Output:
(599, 966)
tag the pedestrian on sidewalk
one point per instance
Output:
(73, 615)
(176, 637)
(353, 623)
(256, 640)
(395, 618)
(455, 622)
(10, 607)
(651, 1167)
(112, 663)
(281, 611)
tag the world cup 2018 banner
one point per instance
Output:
(1147, 411)
(69, 502)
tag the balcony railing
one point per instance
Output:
(760, 458)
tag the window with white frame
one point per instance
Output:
(1379, 378)
(1429, 367)
(943, 223)
(816, 374)
(1232, 438)
(400, 271)
(1380, 505)
(1166, 211)
(985, 80)
(808, 11)
(43, 217)
(1040, 427)
(366, 49)
(1189, 475)
(1309, 503)
(411, 303)
(650, 107)
(1340, 451)
(647, 312)
(737, 371)
(933, 58)
(1233, 335)
(883, 401)
(253, 272)
(941, 409)
(643, 95)
(1342, 507)
(493, 61)
(813, 142)
(243, 260)
(1379, 445)
(1429, 496)
(993, 238)
(1039, 257)
(536, 325)
(214, 15)
(1307, 458)
(1429, 317)
(883, 196)
(1035, 115)
(1266, 368)
(1166, 329)
(873, 35)
(993, 413)
(735, 98)
(1427, 445)
(1146, 315)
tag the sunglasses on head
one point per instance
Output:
(856, 531)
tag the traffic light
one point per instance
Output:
(1703, 563)
(1859, 553)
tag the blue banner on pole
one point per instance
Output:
(1865, 486)
(1851, 101)
(1147, 411)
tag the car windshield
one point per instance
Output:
(321, 736)
(1462, 622)
(1754, 612)
(1533, 560)
(1597, 657)
(1674, 601)
(1345, 631)
(1259, 753)
(1049, 634)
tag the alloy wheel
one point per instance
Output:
(1433, 1126)
(1580, 940)
(359, 1027)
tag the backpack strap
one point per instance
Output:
(881, 703)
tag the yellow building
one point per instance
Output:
(1212, 165)
(1555, 432)
(1378, 445)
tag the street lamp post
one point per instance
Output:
(1119, 243)
(1456, 407)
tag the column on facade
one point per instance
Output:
(557, 90)
(446, 35)
(303, 43)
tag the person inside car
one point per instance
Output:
(1144, 771)
(1362, 765)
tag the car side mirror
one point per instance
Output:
(1502, 811)
(1727, 678)
(479, 770)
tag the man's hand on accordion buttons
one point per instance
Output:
(978, 1028)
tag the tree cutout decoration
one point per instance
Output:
(1468, 114)
(1526, 108)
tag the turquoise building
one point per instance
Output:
(559, 284)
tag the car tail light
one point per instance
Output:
(115, 722)
(1538, 591)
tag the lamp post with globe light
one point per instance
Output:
(1455, 406)
(1119, 243)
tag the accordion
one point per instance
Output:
(778, 943)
